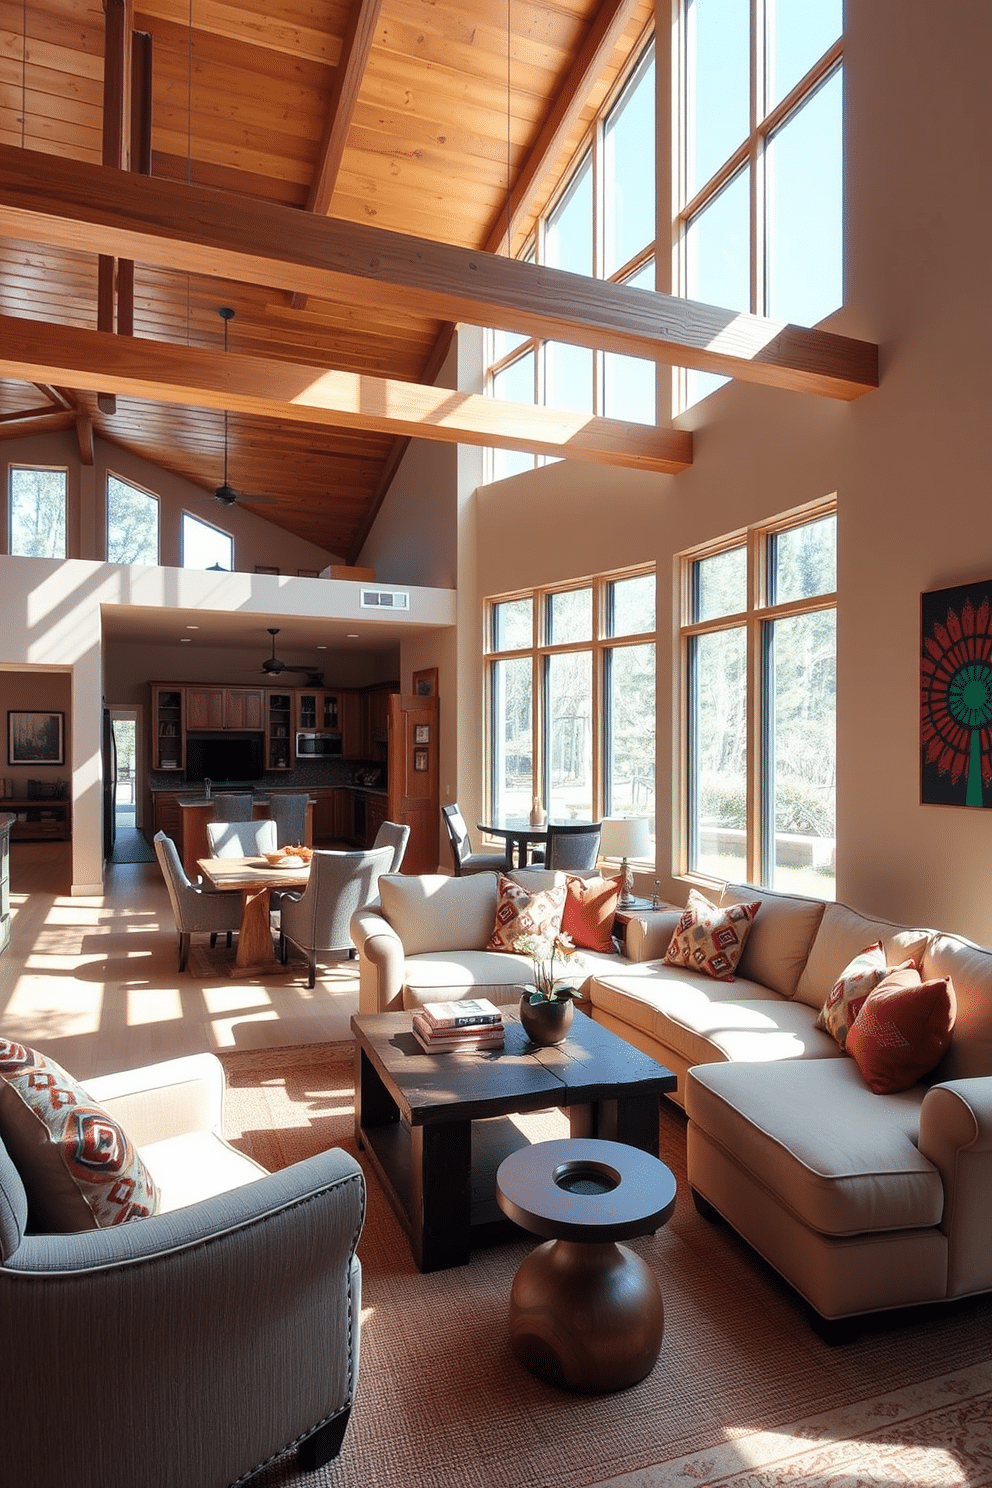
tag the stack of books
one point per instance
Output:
(471, 1023)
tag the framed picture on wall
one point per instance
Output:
(422, 733)
(956, 696)
(420, 759)
(425, 682)
(35, 738)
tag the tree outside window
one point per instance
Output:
(37, 512)
(132, 523)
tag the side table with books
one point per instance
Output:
(471, 1023)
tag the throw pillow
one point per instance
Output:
(902, 1030)
(524, 921)
(590, 904)
(709, 938)
(80, 1170)
(859, 977)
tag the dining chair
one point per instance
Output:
(317, 920)
(391, 834)
(573, 846)
(194, 908)
(290, 816)
(242, 839)
(465, 860)
(232, 806)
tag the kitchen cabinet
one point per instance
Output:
(317, 712)
(279, 731)
(224, 708)
(352, 732)
(168, 728)
(168, 817)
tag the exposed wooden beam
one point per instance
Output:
(46, 423)
(84, 438)
(133, 367)
(78, 205)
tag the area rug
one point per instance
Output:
(744, 1394)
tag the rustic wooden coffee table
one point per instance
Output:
(430, 1122)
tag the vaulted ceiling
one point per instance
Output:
(276, 149)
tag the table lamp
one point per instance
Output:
(625, 837)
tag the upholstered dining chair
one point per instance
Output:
(232, 806)
(573, 846)
(465, 860)
(317, 920)
(391, 834)
(290, 816)
(194, 908)
(224, 1327)
(241, 839)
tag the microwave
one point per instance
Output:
(310, 745)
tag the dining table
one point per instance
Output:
(520, 836)
(254, 879)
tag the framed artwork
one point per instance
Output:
(420, 759)
(425, 682)
(35, 738)
(421, 733)
(956, 696)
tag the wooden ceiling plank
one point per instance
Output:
(75, 204)
(38, 351)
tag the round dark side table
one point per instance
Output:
(586, 1312)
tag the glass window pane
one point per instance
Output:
(568, 239)
(719, 584)
(568, 377)
(132, 523)
(630, 731)
(718, 754)
(513, 735)
(805, 210)
(798, 34)
(568, 736)
(630, 605)
(205, 546)
(629, 143)
(802, 754)
(513, 624)
(514, 383)
(803, 561)
(718, 263)
(570, 617)
(630, 383)
(718, 87)
(37, 513)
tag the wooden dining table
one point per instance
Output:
(519, 837)
(254, 879)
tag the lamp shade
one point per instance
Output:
(624, 837)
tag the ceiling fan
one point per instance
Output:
(274, 666)
(226, 494)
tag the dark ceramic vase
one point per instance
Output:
(546, 1022)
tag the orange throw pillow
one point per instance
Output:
(590, 904)
(902, 1031)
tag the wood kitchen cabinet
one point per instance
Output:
(352, 733)
(168, 728)
(225, 708)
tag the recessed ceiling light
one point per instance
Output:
(185, 640)
(352, 635)
(192, 627)
(321, 648)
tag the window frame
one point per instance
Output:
(17, 465)
(756, 621)
(194, 517)
(143, 491)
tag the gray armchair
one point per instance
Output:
(232, 805)
(194, 908)
(318, 919)
(192, 1346)
(244, 839)
(391, 834)
(290, 816)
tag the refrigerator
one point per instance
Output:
(109, 751)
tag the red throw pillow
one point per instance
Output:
(590, 904)
(902, 1030)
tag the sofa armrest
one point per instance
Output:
(381, 962)
(956, 1136)
(164, 1100)
(649, 932)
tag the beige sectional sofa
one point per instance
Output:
(862, 1202)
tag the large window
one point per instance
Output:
(601, 224)
(132, 523)
(206, 546)
(760, 160)
(572, 700)
(758, 645)
(37, 512)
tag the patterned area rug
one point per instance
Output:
(744, 1394)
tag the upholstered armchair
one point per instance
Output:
(244, 839)
(318, 919)
(194, 908)
(189, 1347)
(391, 834)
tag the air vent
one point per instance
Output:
(384, 599)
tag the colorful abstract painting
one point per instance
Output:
(956, 696)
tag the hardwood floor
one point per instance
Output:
(94, 982)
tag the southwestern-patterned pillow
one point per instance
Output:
(79, 1168)
(525, 917)
(709, 938)
(903, 1030)
(859, 977)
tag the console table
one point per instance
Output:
(45, 818)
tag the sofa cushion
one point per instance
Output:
(590, 905)
(859, 977)
(527, 921)
(902, 1030)
(79, 1168)
(780, 937)
(970, 969)
(498, 975)
(431, 912)
(709, 938)
(840, 1158)
(842, 934)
